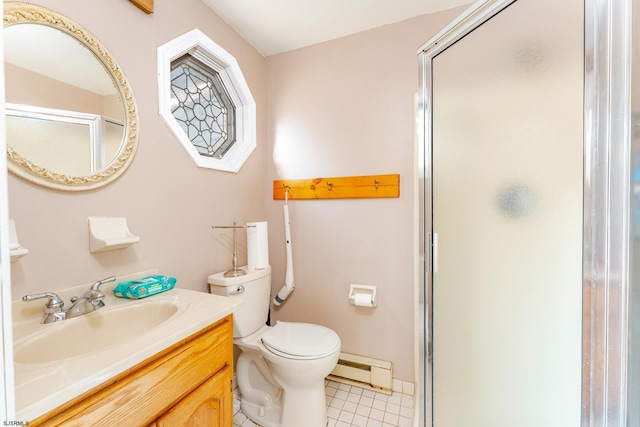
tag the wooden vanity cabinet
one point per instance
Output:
(188, 384)
(205, 406)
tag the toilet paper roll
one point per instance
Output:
(363, 300)
(257, 246)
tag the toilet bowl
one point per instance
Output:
(281, 369)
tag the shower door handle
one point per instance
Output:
(434, 253)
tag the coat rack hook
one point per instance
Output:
(330, 185)
(377, 183)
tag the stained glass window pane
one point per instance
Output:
(201, 105)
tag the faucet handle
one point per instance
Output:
(98, 300)
(95, 295)
(97, 284)
(53, 304)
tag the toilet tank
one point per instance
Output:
(254, 290)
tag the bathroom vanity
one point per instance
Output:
(190, 383)
(176, 370)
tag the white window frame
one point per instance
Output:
(207, 51)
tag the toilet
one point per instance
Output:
(281, 369)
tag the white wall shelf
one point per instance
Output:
(109, 233)
(15, 249)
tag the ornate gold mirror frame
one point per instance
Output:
(16, 13)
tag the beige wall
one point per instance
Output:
(342, 108)
(23, 86)
(168, 201)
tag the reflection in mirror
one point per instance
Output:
(63, 141)
(71, 116)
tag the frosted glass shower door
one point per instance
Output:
(507, 209)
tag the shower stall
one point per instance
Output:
(529, 172)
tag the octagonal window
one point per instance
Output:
(201, 106)
(206, 102)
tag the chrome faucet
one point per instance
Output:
(54, 310)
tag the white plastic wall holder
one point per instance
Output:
(363, 295)
(15, 249)
(106, 233)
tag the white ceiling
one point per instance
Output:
(276, 26)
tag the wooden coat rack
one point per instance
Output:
(350, 187)
(145, 5)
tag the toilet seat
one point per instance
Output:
(300, 340)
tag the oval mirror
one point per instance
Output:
(71, 117)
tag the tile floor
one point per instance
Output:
(350, 406)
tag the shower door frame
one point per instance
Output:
(606, 205)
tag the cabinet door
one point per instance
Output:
(211, 404)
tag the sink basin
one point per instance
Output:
(57, 362)
(92, 332)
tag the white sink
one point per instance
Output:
(91, 332)
(59, 361)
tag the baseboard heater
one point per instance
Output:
(363, 372)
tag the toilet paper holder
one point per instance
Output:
(363, 295)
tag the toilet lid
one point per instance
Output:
(301, 340)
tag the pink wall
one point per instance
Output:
(23, 86)
(168, 201)
(342, 108)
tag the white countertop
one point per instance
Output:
(41, 387)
